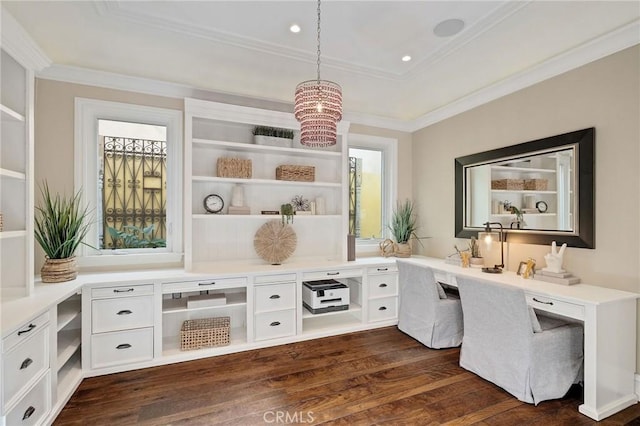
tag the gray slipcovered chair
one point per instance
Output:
(426, 313)
(500, 344)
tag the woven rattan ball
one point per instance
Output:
(275, 242)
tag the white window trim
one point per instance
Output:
(389, 148)
(87, 114)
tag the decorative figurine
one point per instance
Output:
(554, 259)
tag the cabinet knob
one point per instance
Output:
(28, 413)
(124, 312)
(117, 290)
(123, 346)
(29, 328)
(383, 285)
(382, 308)
(26, 363)
(275, 324)
(275, 296)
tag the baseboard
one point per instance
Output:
(637, 385)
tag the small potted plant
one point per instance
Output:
(61, 224)
(273, 136)
(474, 248)
(403, 227)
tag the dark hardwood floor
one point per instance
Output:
(378, 377)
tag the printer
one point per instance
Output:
(322, 296)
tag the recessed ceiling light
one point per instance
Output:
(295, 28)
(449, 27)
(406, 58)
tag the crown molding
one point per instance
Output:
(17, 43)
(615, 41)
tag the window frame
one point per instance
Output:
(389, 149)
(87, 114)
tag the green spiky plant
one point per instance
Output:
(403, 222)
(273, 131)
(61, 223)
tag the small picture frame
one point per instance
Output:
(527, 268)
(522, 268)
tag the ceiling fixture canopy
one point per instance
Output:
(318, 108)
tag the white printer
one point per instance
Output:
(325, 296)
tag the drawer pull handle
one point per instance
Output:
(382, 308)
(275, 324)
(275, 296)
(383, 269)
(124, 312)
(540, 301)
(29, 328)
(123, 346)
(211, 283)
(383, 285)
(123, 291)
(333, 273)
(26, 363)
(28, 413)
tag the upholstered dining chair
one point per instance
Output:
(534, 358)
(426, 312)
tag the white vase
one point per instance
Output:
(237, 196)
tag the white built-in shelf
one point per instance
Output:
(249, 147)
(68, 311)
(329, 324)
(6, 235)
(173, 306)
(521, 191)
(9, 114)
(353, 307)
(68, 344)
(69, 376)
(171, 344)
(12, 174)
(521, 169)
(204, 216)
(214, 179)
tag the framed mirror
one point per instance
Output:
(540, 191)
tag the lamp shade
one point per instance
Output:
(318, 108)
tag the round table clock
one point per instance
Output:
(213, 203)
(541, 206)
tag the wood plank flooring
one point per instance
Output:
(380, 377)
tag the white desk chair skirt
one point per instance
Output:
(500, 345)
(423, 315)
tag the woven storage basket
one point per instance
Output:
(535, 184)
(204, 333)
(509, 184)
(296, 173)
(233, 168)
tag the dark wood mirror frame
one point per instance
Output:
(584, 236)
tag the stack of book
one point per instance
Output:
(565, 278)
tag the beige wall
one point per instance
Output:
(604, 94)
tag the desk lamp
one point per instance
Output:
(488, 236)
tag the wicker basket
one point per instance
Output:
(233, 168)
(296, 173)
(508, 184)
(59, 270)
(535, 184)
(204, 333)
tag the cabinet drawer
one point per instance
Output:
(122, 291)
(383, 309)
(270, 325)
(121, 313)
(204, 284)
(556, 306)
(275, 278)
(335, 274)
(24, 332)
(25, 362)
(382, 269)
(34, 407)
(123, 347)
(275, 297)
(383, 285)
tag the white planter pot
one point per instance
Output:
(272, 141)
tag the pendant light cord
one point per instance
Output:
(318, 42)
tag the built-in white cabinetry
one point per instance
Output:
(67, 341)
(26, 376)
(382, 286)
(275, 306)
(214, 131)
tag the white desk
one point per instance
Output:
(609, 318)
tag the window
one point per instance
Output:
(128, 162)
(372, 180)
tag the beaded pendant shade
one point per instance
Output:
(318, 108)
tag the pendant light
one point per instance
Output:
(318, 108)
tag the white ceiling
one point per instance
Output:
(245, 47)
